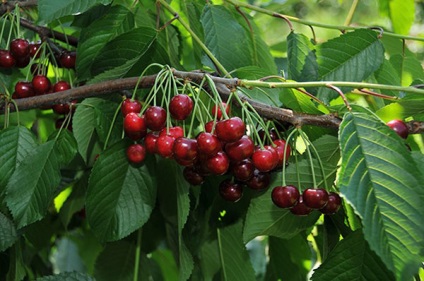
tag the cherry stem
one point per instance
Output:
(314, 180)
(137, 254)
(285, 156)
(109, 133)
(337, 89)
(297, 162)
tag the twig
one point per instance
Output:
(8, 6)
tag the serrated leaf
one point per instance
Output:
(351, 57)
(105, 112)
(120, 196)
(224, 37)
(352, 259)
(31, 187)
(94, 37)
(302, 62)
(235, 262)
(8, 234)
(67, 276)
(52, 10)
(15, 144)
(378, 177)
(66, 146)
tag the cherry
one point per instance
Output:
(61, 86)
(208, 144)
(209, 126)
(136, 153)
(22, 62)
(67, 59)
(24, 90)
(300, 209)
(59, 122)
(217, 111)
(175, 132)
(218, 164)
(185, 149)
(333, 205)
(135, 126)
(34, 50)
(272, 134)
(259, 181)
(285, 196)
(240, 149)
(6, 59)
(155, 118)
(230, 130)
(180, 107)
(129, 105)
(150, 142)
(19, 48)
(280, 147)
(230, 191)
(399, 127)
(265, 159)
(192, 176)
(243, 170)
(41, 84)
(315, 198)
(164, 145)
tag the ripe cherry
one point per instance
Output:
(185, 149)
(217, 111)
(6, 59)
(259, 181)
(281, 146)
(135, 126)
(176, 132)
(155, 118)
(240, 149)
(208, 144)
(230, 191)
(333, 204)
(218, 164)
(136, 153)
(243, 170)
(272, 134)
(230, 130)
(129, 105)
(67, 59)
(192, 176)
(61, 86)
(22, 62)
(315, 198)
(180, 107)
(399, 127)
(265, 159)
(164, 145)
(300, 209)
(24, 90)
(285, 196)
(209, 126)
(41, 84)
(34, 50)
(19, 48)
(150, 142)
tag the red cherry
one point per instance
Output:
(208, 144)
(230, 191)
(67, 59)
(265, 159)
(333, 204)
(217, 111)
(175, 132)
(192, 176)
(19, 48)
(185, 149)
(6, 59)
(315, 198)
(230, 130)
(150, 142)
(61, 86)
(135, 126)
(280, 147)
(136, 153)
(399, 127)
(155, 118)
(209, 126)
(34, 50)
(259, 181)
(272, 134)
(41, 84)
(24, 90)
(300, 209)
(164, 145)
(240, 149)
(22, 62)
(180, 107)
(285, 196)
(218, 164)
(243, 170)
(129, 105)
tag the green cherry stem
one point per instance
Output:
(109, 133)
(137, 254)
(314, 180)
(285, 154)
(296, 161)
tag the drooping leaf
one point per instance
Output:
(51, 10)
(379, 179)
(120, 196)
(67, 276)
(351, 57)
(8, 234)
(31, 187)
(401, 14)
(302, 62)
(15, 144)
(235, 263)
(352, 259)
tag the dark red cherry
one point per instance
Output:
(19, 48)
(155, 118)
(24, 90)
(300, 209)
(136, 153)
(164, 145)
(180, 107)
(67, 59)
(230, 191)
(259, 181)
(209, 126)
(333, 204)
(129, 105)
(272, 134)
(41, 84)
(315, 198)
(265, 159)
(176, 132)
(135, 126)
(399, 127)
(22, 62)
(192, 176)
(208, 144)
(185, 149)
(6, 59)
(217, 111)
(150, 142)
(285, 196)
(281, 148)
(240, 149)
(230, 130)
(243, 170)
(61, 86)
(218, 164)
(34, 50)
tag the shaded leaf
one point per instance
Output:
(302, 62)
(66, 146)
(388, 75)
(67, 276)
(409, 68)
(8, 234)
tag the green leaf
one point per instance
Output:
(15, 144)
(120, 196)
(410, 105)
(75, 201)
(378, 177)
(409, 68)
(31, 188)
(224, 37)
(298, 102)
(302, 61)
(401, 13)
(235, 260)
(119, 55)
(351, 57)
(67, 276)
(96, 36)
(352, 259)
(66, 146)
(387, 74)
(8, 234)
(52, 10)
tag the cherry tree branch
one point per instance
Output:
(7, 6)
